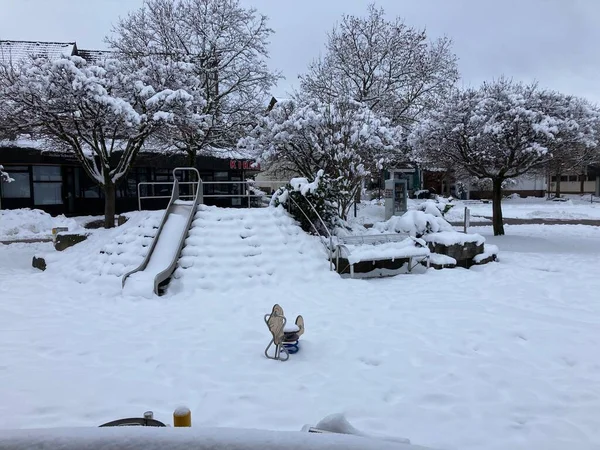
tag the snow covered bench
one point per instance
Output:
(396, 249)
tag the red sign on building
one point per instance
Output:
(235, 164)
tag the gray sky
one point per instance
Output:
(556, 42)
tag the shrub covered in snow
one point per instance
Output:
(310, 202)
(415, 223)
(437, 208)
(31, 223)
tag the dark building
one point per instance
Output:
(56, 183)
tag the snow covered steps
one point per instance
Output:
(245, 247)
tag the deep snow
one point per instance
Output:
(575, 207)
(32, 224)
(495, 357)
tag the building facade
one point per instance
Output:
(56, 183)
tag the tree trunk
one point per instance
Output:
(582, 184)
(109, 205)
(557, 192)
(497, 207)
(191, 158)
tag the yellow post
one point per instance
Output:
(182, 417)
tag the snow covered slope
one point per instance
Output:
(108, 252)
(233, 248)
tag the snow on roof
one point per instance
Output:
(23, 142)
(26, 142)
(93, 56)
(16, 51)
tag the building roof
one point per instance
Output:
(17, 51)
(93, 56)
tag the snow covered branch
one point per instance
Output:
(4, 177)
(344, 138)
(221, 48)
(389, 66)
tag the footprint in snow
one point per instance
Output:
(370, 361)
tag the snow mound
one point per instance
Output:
(488, 251)
(337, 423)
(28, 223)
(414, 223)
(153, 438)
(441, 260)
(111, 252)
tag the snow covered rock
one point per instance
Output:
(490, 253)
(458, 248)
(438, 261)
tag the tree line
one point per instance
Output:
(192, 75)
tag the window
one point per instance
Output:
(47, 173)
(223, 189)
(591, 177)
(553, 179)
(573, 178)
(20, 188)
(236, 189)
(47, 185)
(564, 178)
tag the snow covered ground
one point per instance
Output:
(502, 356)
(539, 208)
(514, 208)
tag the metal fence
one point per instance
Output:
(246, 194)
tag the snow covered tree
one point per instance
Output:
(101, 113)
(344, 138)
(497, 132)
(575, 146)
(389, 66)
(226, 47)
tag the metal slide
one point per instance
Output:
(163, 254)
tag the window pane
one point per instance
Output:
(47, 193)
(573, 177)
(46, 173)
(16, 168)
(221, 176)
(591, 177)
(91, 192)
(564, 178)
(18, 188)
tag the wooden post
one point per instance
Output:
(182, 417)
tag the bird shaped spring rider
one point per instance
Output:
(286, 336)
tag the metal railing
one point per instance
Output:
(245, 195)
(329, 235)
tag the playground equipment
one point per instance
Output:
(161, 259)
(284, 338)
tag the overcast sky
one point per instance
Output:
(556, 42)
